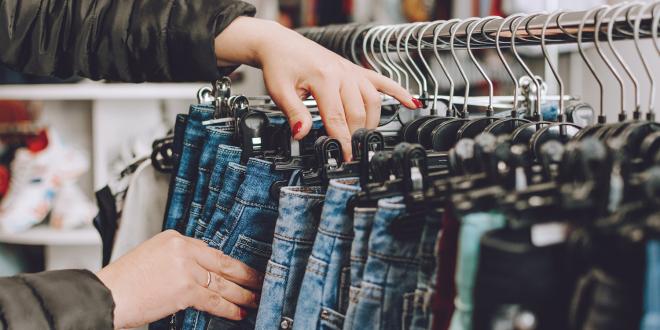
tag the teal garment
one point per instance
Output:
(473, 226)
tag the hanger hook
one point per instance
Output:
(453, 30)
(385, 49)
(654, 29)
(402, 32)
(354, 39)
(426, 64)
(647, 68)
(599, 21)
(365, 43)
(436, 37)
(375, 38)
(601, 118)
(415, 26)
(470, 31)
(514, 79)
(553, 68)
(514, 33)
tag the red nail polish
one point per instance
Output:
(418, 103)
(296, 128)
(243, 313)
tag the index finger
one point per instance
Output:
(227, 267)
(390, 87)
(332, 113)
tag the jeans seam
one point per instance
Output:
(334, 234)
(259, 205)
(411, 261)
(293, 239)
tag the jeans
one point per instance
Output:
(234, 177)
(516, 279)
(186, 175)
(179, 131)
(225, 155)
(425, 272)
(445, 292)
(326, 284)
(250, 228)
(215, 136)
(385, 299)
(473, 226)
(651, 319)
(297, 223)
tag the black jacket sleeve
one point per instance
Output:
(66, 299)
(127, 40)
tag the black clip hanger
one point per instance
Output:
(162, 155)
(251, 131)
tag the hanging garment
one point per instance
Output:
(426, 271)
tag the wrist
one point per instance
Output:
(106, 278)
(242, 41)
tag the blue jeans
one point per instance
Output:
(425, 273)
(225, 155)
(179, 130)
(234, 177)
(473, 227)
(326, 283)
(186, 175)
(363, 220)
(297, 223)
(651, 318)
(387, 290)
(250, 227)
(215, 136)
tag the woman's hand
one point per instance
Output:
(294, 67)
(169, 273)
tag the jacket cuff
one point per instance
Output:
(193, 44)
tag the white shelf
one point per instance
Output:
(89, 90)
(45, 235)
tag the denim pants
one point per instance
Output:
(324, 291)
(473, 227)
(234, 177)
(179, 130)
(215, 136)
(388, 284)
(251, 225)
(297, 223)
(363, 220)
(186, 175)
(225, 155)
(425, 272)
(651, 318)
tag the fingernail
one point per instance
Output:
(418, 103)
(296, 128)
(244, 313)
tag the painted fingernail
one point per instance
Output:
(418, 103)
(244, 313)
(296, 128)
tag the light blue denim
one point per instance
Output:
(226, 154)
(324, 292)
(297, 223)
(363, 220)
(215, 136)
(425, 273)
(473, 227)
(385, 298)
(234, 177)
(651, 318)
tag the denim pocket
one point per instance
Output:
(272, 292)
(344, 289)
(408, 310)
(252, 252)
(330, 319)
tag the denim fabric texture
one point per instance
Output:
(297, 223)
(473, 227)
(425, 273)
(226, 154)
(177, 149)
(249, 230)
(186, 175)
(651, 318)
(385, 299)
(234, 177)
(215, 136)
(324, 292)
(363, 220)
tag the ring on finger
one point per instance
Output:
(209, 278)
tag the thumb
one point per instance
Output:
(300, 120)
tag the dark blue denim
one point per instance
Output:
(250, 227)
(234, 177)
(179, 131)
(425, 273)
(324, 291)
(386, 295)
(226, 154)
(297, 223)
(186, 175)
(651, 318)
(215, 136)
(363, 221)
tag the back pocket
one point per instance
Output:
(252, 252)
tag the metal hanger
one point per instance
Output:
(400, 50)
(650, 114)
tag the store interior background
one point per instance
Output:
(104, 119)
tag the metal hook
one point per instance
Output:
(354, 55)
(470, 31)
(597, 30)
(454, 28)
(516, 85)
(553, 68)
(375, 37)
(436, 36)
(647, 68)
(514, 33)
(365, 42)
(405, 29)
(427, 66)
(384, 51)
(654, 30)
(414, 27)
(601, 118)
(399, 68)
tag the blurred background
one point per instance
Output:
(61, 141)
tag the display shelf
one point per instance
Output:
(89, 90)
(45, 235)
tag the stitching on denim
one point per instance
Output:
(214, 189)
(373, 292)
(252, 245)
(204, 169)
(320, 264)
(360, 259)
(301, 194)
(335, 234)
(259, 205)
(181, 180)
(190, 145)
(411, 261)
(293, 239)
(273, 265)
(347, 187)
